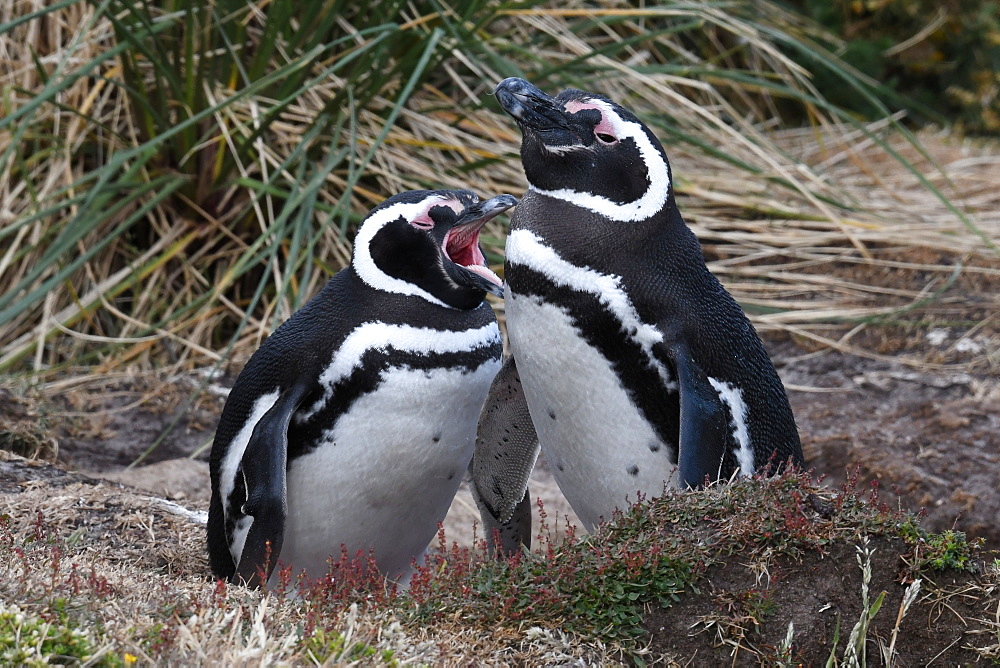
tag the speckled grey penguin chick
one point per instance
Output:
(638, 369)
(354, 422)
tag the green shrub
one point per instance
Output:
(945, 56)
(26, 640)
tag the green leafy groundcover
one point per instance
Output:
(27, 640)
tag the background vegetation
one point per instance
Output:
(178, 176)
(944, 56)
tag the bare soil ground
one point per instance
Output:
(743, 615)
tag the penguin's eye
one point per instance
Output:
(422, 222)
(606, 138)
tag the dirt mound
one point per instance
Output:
(743, 615)
(128, 570)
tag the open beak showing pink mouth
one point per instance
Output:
(461, 244)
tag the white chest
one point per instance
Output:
(387, 471)
(602, 450)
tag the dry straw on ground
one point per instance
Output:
(134, 566)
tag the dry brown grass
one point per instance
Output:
(910, 261)
(132, 573)
(851, 239)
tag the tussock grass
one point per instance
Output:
(177, 178)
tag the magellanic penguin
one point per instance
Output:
(353, 424)
(636, 366)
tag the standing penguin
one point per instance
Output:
(636, 366)
(355, 420)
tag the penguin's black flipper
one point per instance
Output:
(264, 473)
(704, 418)
(506, 450)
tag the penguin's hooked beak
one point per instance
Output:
(481, 213)
(529, 105)
(541, 114)
(461, 243)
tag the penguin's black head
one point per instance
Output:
(585, 149)
(425, 243)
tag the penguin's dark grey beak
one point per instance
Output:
(476, 215)
(461, 244)
(529, 105)
(541, 115)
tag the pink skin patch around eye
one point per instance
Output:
(605, 127)
(424, 220)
